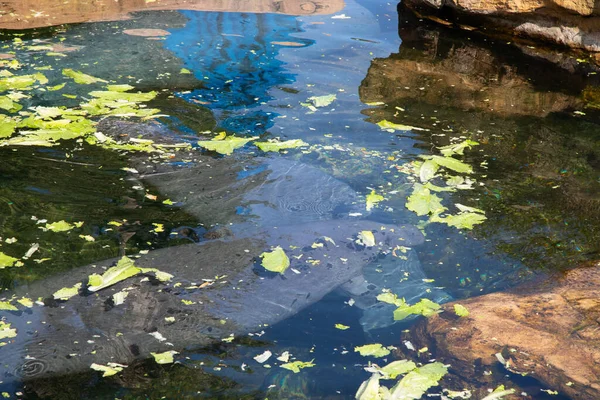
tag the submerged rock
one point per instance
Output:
(549, 331)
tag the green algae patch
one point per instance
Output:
(276, 260)
(124, 269)
(373, 350)
(296, 366)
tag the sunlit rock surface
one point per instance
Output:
(571, 23)
(549, 331)
(34, 14)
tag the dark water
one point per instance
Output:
(536, 169)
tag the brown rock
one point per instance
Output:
(27, 14)
(570, 23)
(550, 331)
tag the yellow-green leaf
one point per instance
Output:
(123, 270)
(6, 306)
(66, 292)
(60, 226)
(366, 238)
(276, 260)
(7, 261)
(276, 146)
(374, 350)
(461, 310)
(390, 126)
(423, 202)
(341, 327)
(108, 370)
(225, 146)
(80, 77)
(164, 358)
(372, 199)
(296, 366)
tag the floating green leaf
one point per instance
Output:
(123, 270)
(369, 389)
(296, 366)
(395, 368)
(423, 202)
(7, 261)
(108, 370)
(21, 82)
(164, 358)
(119, 297)
(322, 101)
(374, 350)
(225, 146)
(458, 148)
(160, 275)
(366, 238)
(417, 382)
(451, 163)
(6, 306)
(25, 302)
(390, 298)
(461, 310)
(60, 226)
(184, 71)
(67, 292)
(55, 88)
(6, 332)
(465, 220)
(80, 77)
(341, 327)
(499, 393)
(424, 307)
(372, 199)
(276, 260)
(119, 88)
(121, 96)
(428, 170)
(276, 146)
(390, 126)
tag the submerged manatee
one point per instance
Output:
(68, 336)
(270, 192)
(264, 202)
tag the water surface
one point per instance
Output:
(250, 72)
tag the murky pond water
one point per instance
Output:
(379, 126)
